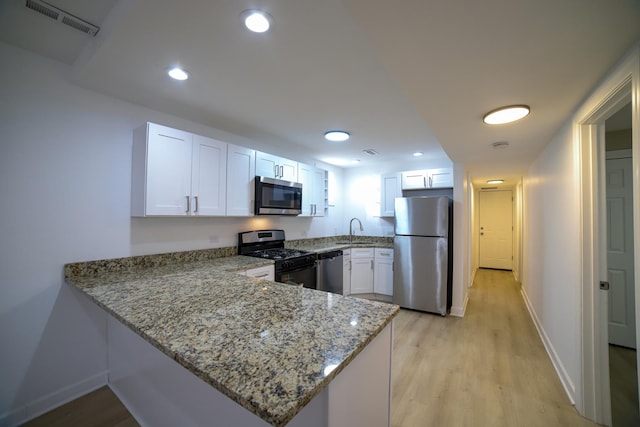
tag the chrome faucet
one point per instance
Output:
(351, 228)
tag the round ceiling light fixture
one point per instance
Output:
(336, 135)
(256, 20)
(500, 145)
(418, 154)
(495, 181)
(507, 114)
(178, 73)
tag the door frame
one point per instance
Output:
(620, 87)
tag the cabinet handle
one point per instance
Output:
(372, 264)
(430, 181)
(188, 204)
(424, 180)
(261, 275)
(275, 171)
(384, 254)
(281, 171)
(196, 199)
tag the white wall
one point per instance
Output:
(551, 277)
(65, 167)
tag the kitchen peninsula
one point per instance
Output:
(248, 352)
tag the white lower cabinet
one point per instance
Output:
(362, 270)
(346, 272)
(383, 271)
(265, 273)
(371, 271)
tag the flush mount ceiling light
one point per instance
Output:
(507, 114)
(417, 154)
(256, 20)
(178, 73)
(495, 181)
(336, 135)
(500, 145)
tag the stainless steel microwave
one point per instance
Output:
(277, 197)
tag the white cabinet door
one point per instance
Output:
(264, 273)
(441, 178)
(208, 177)
(362, 270)
(306, 179)
(176, 173)
(313, 190)
(276, 167)
(346, 272)
(161, 177)
(383, 271)
(241, 171)
(390, 188)
(361, 275)
(320, 201)
(413, 180)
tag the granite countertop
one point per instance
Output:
(327, 244)
(271, 347)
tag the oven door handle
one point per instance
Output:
(295, 270)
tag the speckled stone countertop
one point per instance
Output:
(326, 244)
(265, 345)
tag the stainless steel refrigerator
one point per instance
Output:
(422, 251)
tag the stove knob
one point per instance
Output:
(286, 264)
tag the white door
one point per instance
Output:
(620, 269)
(496, 229)
(208, 177)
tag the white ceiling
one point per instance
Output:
(401, 76)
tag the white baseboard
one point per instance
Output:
(567, 384)
(460, 311)
(53, 400)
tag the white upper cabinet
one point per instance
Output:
(176, 173)
(390, 188)
(208, 177)
(429, 178)
(276, 167)
(313, 190)
(241, 170)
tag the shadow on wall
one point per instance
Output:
(66, 361)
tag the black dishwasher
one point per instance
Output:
(330, 272)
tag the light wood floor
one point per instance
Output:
(486, 369)
(624, 387)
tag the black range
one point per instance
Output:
(292, 266)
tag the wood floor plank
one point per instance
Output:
(486, 369)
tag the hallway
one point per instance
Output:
(489, 368)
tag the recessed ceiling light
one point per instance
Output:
(257, 21)
(495, 181)
(336, 135)
(178, 73)
(417, 154)
(507, 114)
(355, 161)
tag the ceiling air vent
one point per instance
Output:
(370, 151)
(63, 17)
